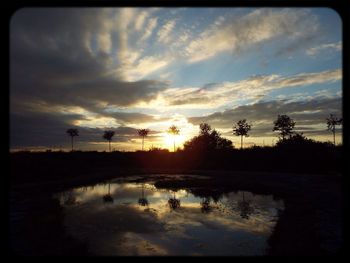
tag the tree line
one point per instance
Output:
(211, 139)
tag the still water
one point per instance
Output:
(122, 217)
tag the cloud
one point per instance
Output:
(321, 48)
(133, 117)
(254, 87)
(140, 20)
(164, 32)
(55, 62)
(145, 66)
(49, 130)
(254, 28)
(262, 114)
(152, 23)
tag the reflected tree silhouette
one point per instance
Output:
(174, 203)
(244, 207)
(71, 199)
(143, 200)
(205, 205)
(108, 197)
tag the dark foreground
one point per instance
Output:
(311, 223)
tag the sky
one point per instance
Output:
(125, 69)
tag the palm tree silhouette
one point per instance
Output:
(108, 197)
(72, 133)
(143, 133)
(108, 136)
(173, 202)
(245, 208)
(143, 200)
(174, 131)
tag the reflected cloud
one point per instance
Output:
(194, 225)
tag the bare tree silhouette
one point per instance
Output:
(285, 125)
(174, 131)
(108, 136)
(332, 121)
(241, 128)
(143, 133)
(72, 133)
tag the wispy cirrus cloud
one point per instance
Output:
(320, 48)
(254, 87)
(164, 33)
(254, 28)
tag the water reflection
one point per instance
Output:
(205, 205)
(214, 223)
(174, 203)
(70, 198)
(244, 206)
(108, 198)
(143, 200)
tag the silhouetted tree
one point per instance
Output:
(241, 128)
(142, 200)
(174, 131)
(332, 121)
(72, 133)
(108, 136)
(207, 140)
(204, 129)
(285, 125)
(143, 133)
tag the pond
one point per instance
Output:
(129, 218)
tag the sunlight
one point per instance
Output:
(168, 141)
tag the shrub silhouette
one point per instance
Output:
(207, 140)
